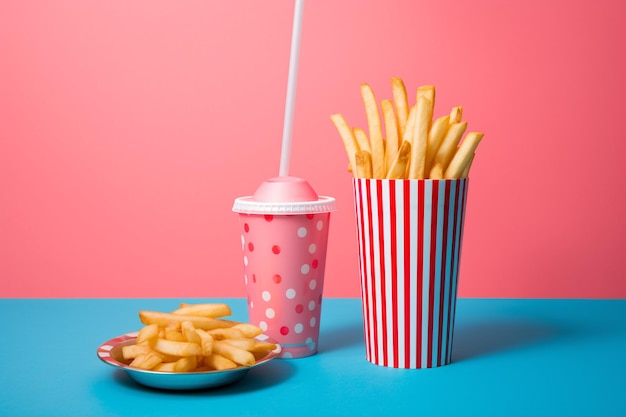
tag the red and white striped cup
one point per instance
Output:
(409, 237)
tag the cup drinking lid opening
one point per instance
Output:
(284, 195)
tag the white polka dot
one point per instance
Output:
(298, 328)
(313, 321)
(312, 248)
(245, 279)
(263, 326)
(245, 260)
(270, 313)
(251, 304)
(312, 284)
(302, 232)
(266, 296)
(243, 241)
(311, 305)
(310, 343)
(319, 225)
(290, 293)
(305, 269)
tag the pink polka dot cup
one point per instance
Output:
(284, 235)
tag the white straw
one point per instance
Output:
(291, 88)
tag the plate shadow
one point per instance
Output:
(259, 378)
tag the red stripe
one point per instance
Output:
(394, 271)
(452, 266)
(363, 264)
(381, 267)
(442, 278)
(420, 267)
(359, 215)
(372, 273)
(433, 259)
(407, 271)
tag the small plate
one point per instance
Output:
(110, 352)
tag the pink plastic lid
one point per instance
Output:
(284, 195)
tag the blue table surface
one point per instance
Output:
(511, 357)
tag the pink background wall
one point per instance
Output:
(127, 128)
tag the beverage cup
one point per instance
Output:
(284, 235)
(409, 235)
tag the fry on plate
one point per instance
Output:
(194, 338)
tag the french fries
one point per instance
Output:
(463, 156)
(423, 117)
(392, 141)
(400, 163)
(375, 130)
(349, 140)
(364, 167)
(436, 134)
(208, 310)
(401, 101)
(194, 338)
(415, 144)
(163, 319)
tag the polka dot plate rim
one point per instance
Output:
(110, 352)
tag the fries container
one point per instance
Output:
(284, 235)
(409, 242)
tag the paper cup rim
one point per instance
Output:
(246, 205)
(410, 180)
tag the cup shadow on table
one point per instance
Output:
(341, 337)
(472, 340)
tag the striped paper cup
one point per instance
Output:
(409, 237)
